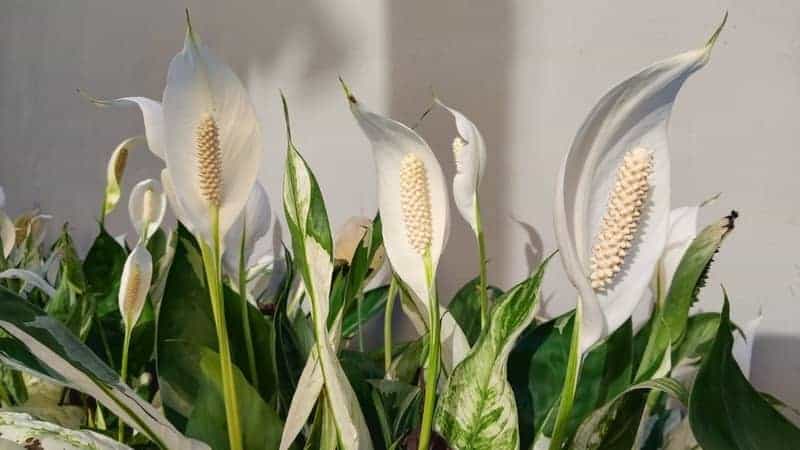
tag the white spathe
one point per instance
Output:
(254, 221)
(147, 206)
(201, 87)
(391, 142)
(134, 284)
(470, 158)
(633, 114)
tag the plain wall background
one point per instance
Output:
(526, 72)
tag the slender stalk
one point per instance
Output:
(359, 302)
(248, 337)
(123, 376)
(483, 295)
(570, 384)
(432, 366)
(387, 326)
(211, 262)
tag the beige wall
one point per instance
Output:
(526, 71)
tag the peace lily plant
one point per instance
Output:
(206, 331)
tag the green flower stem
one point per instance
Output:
(483, 283)
(432, 366)
(387, 326)
(212, 262)
(123, 376)
(248, 336)
(570, 384)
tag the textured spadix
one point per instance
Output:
(213, 145)
(254, 221)
(469, 152)
(633, 114)
(135, 281)
(392, 142)
(147, 206)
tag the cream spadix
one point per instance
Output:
(213, 144)
(413, 203)
(621, 220)
(147, 206)
(633, 115)
(135, 281)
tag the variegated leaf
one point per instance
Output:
(307, 220)
(477, 408)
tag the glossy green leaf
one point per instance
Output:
(46, 348)
(466, 309)
(538, 367)
(614, 425)
(477, 409)
(669, 326)
(261, 426)
(186, 315)
(726, 412)
(371, 305)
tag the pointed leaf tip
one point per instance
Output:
(350, 97)
(713, 39)
(286, 115)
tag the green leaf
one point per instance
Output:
(397, 405)
(186, 315)
(538, 368)
(103, 269)
(261, 426)
(71, 305)
(669, 325)
(700, 332)
(477, 409)
(614, 425)
(466, 309)
(726, 412)
(47, 349)
(373, 303)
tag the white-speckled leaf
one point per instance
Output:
(477, 409)
(633, 114)
(30, 433)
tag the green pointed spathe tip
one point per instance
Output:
(350, 97)
(713, 39)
